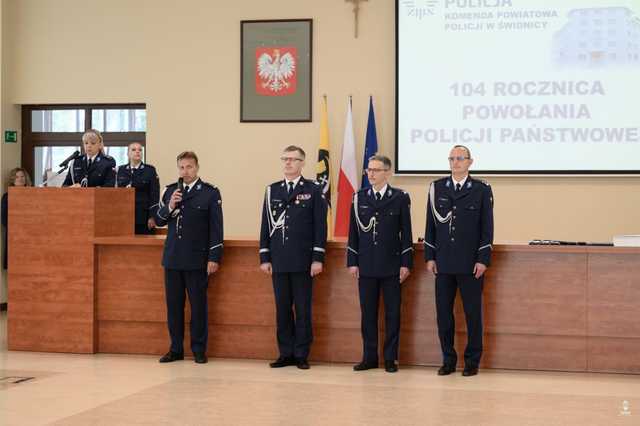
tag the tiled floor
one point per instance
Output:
(122, 390)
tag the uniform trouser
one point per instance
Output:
(471, 292)
(293, 289)
(369, 289)
(195, 283)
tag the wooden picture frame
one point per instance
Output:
(276, 63)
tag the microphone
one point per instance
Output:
(73, 156)
(181, 189)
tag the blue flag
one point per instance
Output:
(370, 144)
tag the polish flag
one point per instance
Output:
(347, 181)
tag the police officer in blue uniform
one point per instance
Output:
(292, 247)
(458, 244)
(93, 168)
(144, 178)
(380, 256)
(192, 251)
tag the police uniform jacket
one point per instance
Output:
(294, 226)
(100, 173)
(195, 232)
(380, 240)
(459, 230)
(145, 180)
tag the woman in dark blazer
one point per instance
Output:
(17, 177)
(144, 179)
(94, 167)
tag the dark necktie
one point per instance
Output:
(186, 189)
(458, 187)
(89, 163)
(290, 190)
(378, 196)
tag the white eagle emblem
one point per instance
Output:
(276, 71)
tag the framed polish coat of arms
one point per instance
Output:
(276, 70)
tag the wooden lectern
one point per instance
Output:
(52, 263)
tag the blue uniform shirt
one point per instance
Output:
(380, 239)
(100, 173)
(195, 232)
(294, 226)
(459, 230)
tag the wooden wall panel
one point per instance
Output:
(614, 295)
(114, 212)
(545, 308)
(614, 354)
(536, 294)
(239, 293)
(614, 303)
(535, 352)
(52, 263)
(130, 284)
(51, 270)
(133, 337)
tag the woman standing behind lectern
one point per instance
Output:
(17, 177)
(93, 168)
(144, 178)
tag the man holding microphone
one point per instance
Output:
(192, 251)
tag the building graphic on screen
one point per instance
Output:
(598, 37)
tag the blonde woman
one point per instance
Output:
(17, 177)
(94, 167)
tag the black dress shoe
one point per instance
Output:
(390, 366)
(200, 358)
(171, 356)
(445, 370)
(470, 371)
(282, 362)
(365, 366)
(302, 364)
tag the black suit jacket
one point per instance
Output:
(102, 171)
(294, 226)
(467, 238)
(195, 232)
(147, 185)
(381, 250)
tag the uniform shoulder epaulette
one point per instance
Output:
(107, 157)
(207, 184)
(272, 185)
(171, 184)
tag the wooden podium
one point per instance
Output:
(52, 263)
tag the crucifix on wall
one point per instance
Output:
(356, 9)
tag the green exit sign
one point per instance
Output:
(10, 136)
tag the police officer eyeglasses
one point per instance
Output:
(369, 170)
(459, 158)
